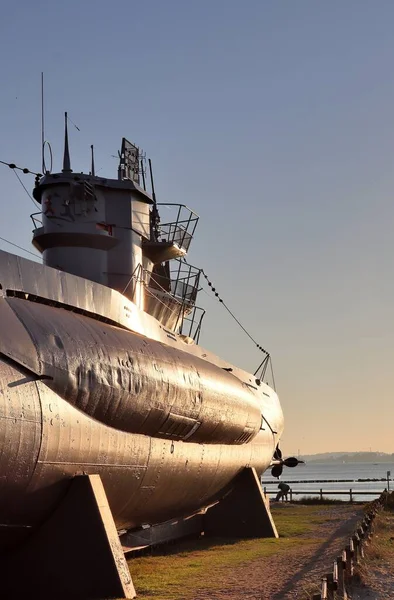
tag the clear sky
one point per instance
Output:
(274, 120)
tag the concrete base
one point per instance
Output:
(243, 513)
(75, 554)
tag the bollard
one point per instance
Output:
(351, 495)
(321, 494)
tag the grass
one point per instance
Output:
(174, 576)
(317, 500)
(374, 574)
(380, 550)
(177, 573)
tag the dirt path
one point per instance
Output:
(296, 572)
(311, 537)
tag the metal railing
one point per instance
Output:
(36, 220)
(181, 283)
(191, 323)
(180, 230)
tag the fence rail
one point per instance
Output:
(320, 493)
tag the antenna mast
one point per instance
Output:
(151, 181)
(42, 124)
(92, 171)
(155, 217)
(66, 157)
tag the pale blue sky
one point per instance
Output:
(275, 122)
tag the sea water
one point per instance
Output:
(334, 477)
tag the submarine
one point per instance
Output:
(101, 371)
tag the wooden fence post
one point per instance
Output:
(361, 534)
(334, 585)
(356, 546)
(349, 561)
(368, 525)
(323, 592)
(341, 566)
(330, 586)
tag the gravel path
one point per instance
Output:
(291, 575)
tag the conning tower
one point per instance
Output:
(109, 231)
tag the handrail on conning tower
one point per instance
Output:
(179, 230)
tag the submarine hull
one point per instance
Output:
(90, 384)
(45, 442)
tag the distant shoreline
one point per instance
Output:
(349, 458)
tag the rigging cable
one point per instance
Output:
(272, 374)
(25, 188)
(233, 315)
(72, 123)
(20, 247)
(268, 356)
(24, 170)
